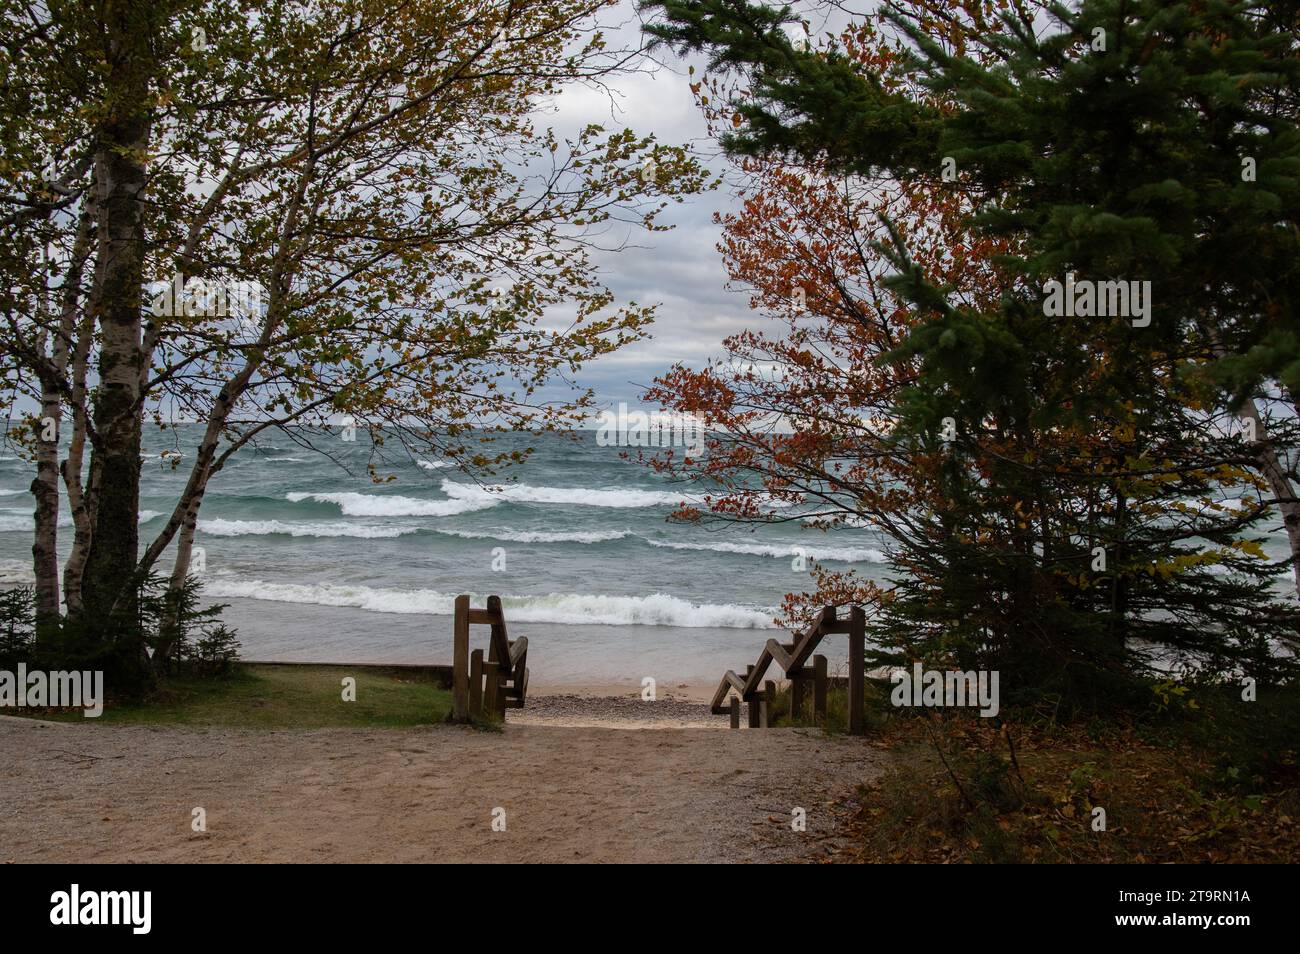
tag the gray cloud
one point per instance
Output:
(681, 270)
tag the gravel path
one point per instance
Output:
(624, 712)
(593, 792)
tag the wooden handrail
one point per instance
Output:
(793, 659)
(495, 684)
(781, 655)
(499, 648)
(518, 649)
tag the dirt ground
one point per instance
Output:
(578, 781)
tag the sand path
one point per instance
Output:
(577, 781)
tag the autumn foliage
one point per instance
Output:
(1060, 499)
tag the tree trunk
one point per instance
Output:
(79, 501)
(115, 456)
(1278, 482)
(45, 487)
(1270, 468)
(184, 518)
(121, 151)
(1118, 569)
(169, 630)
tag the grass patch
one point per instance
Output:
(1216, 780)
(281, 697)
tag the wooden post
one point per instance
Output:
(765, 709)
(460, 661)
(735, 712)
(752, 705)
(492, 707)
(857, 670)
(476, 684)
(797, 686)
(819, 687)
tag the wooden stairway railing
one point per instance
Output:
(486, 688)
(793, 658)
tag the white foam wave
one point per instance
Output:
(260, 528)
(14, 520)
(837, 554)
(583, 496)
(537, 536)
(657, 609)
(370, 505)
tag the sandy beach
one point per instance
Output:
(580, 779)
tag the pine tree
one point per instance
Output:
(1079, 517)
(17, 626)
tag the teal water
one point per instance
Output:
(319, 563)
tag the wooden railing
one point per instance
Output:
(793, 658)
(486, 688)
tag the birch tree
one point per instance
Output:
(419, 244)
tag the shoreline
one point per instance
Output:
(589, 659)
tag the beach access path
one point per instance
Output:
(596, 779)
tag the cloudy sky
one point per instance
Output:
(681, 270)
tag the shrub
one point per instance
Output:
(17, 626)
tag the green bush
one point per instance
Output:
(183, 638)
(189, 640)
(17, 626)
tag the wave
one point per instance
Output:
(433, 464)
(21, 521)
(369, 505)
(285, 460)
(657, 609)
(524, 493)
(220, 527)
(257, 528)
(537, 536)
(781, 551)
(11, 493)
(16, 573)
(836, 554)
